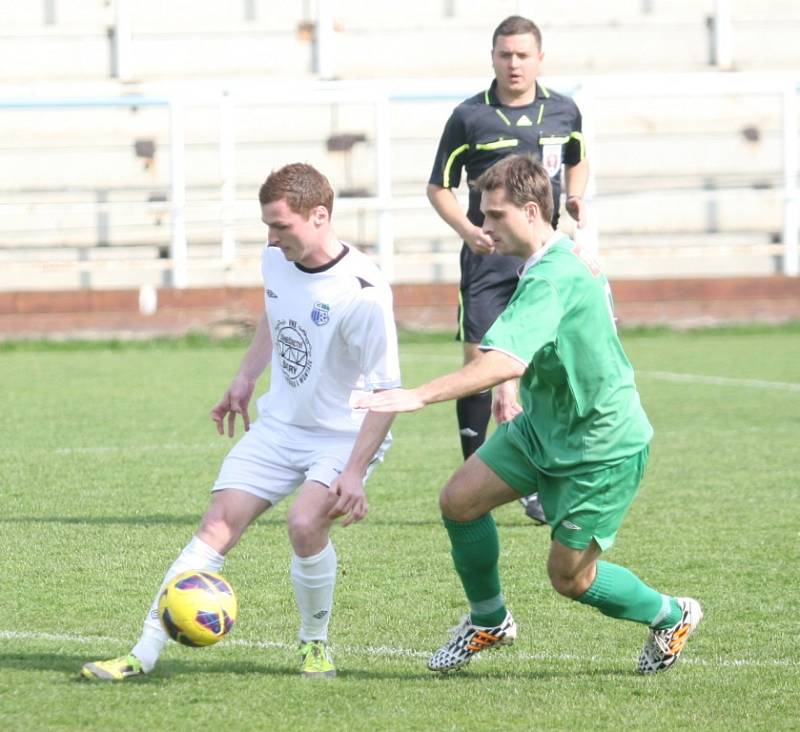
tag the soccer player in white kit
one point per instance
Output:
(329, 332)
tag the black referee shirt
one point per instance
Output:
(481, 131)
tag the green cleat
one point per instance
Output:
(315, 660)
(115, 669)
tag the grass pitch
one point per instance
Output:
(106, 458)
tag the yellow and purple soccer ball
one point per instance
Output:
(198, 608)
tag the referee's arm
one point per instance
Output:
(446, 204)
(576, 177)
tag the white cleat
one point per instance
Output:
(469, 639)
(663, 647)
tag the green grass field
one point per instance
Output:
(106, 458)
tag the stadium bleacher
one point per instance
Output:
(85, 186)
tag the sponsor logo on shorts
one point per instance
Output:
(569, 525)
(294, 351)
(271, 294)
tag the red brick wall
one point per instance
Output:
(680, 302)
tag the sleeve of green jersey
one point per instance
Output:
(529, 322)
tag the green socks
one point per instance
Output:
(616, 591)
(619, 593)
(475, 550)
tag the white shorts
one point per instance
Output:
(271, 460)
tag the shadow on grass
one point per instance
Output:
(190, 519)
(184, 520)
(70, 665)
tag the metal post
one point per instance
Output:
(383, 155)
(722, 35)
(324, 40)
(178, 249)
(123, 41)
(589, 237)
(791, 195)
(49, 12)
(227, 165)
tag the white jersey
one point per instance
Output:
(333, 338)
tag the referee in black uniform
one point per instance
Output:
(514, 115)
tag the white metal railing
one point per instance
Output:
(177, 154)
(382, 96)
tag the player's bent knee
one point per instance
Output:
(566, 584)
(216, 531)
(453, 505)
(306, 529)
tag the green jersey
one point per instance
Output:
(581, 409)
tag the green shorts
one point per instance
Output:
(579, 508)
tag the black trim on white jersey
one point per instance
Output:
(324, 267)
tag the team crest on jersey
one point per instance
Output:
(294, 351)
(320, 313)
(551, 159)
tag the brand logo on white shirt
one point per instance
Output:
(271, 294)
(320, 313)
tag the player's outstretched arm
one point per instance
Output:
(237, 396)
(487, 370)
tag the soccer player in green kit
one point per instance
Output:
(581, 440)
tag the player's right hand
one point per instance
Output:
(234, 401)
(480, 243)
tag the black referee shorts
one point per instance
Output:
(487, 283)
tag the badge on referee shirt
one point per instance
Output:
(551, 159)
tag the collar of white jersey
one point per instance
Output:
(536, 257)
(328, 265)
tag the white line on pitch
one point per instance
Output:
(662, 375)
(720, 380)
(99, 449)
(385, 651)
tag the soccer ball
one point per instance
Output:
(197, 608)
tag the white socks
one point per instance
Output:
(314, 578)
(195, 555)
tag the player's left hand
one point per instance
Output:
(504, 401)
(352, 501)
(576, 207)
(391, 400)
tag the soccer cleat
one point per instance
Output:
(663, 647)
(315, 660)
(468, 639)
(533, 509)
(115, 669)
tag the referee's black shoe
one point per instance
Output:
(533, 509)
